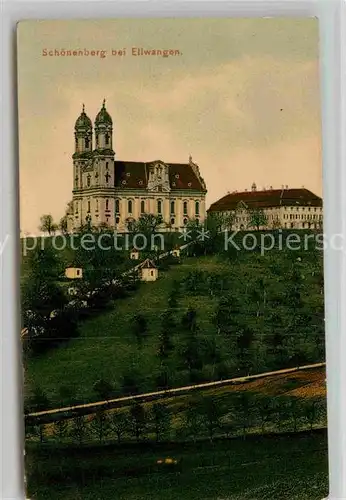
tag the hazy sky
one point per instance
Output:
(242, 99)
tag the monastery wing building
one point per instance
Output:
(116, 193)
(285, 208)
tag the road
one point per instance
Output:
(150, 396)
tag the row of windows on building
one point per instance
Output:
(159, 207)
(309, 209)
(307, 225)
(304, 217)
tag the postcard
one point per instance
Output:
(172, 292)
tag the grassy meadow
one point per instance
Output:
(289, 467)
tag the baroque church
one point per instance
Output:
(107, 191)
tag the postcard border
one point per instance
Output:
(333, 70)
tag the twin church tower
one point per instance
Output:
(116, 193)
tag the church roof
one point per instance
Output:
(267, 199)
(134, 175)
(103, 117)
(83, 121)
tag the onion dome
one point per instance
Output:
(103, 117)
(83, 121)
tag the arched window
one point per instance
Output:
(107, 139)
(142, 207)
(159, 207)
(197, 208)
(129, 206)
(88, 207)
(107, 204)
(185, 207)
(87, 143)
(117, 206)
(88, 180)
(172, 207)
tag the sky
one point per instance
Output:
(242, 97)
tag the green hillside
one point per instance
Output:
(107, 348)
(225, 293)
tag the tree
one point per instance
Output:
(100, 425)
(218, 221)
(147, 224)
(43, 303)
(257, 218)
(60, 428)
(79, 428)
(38, 401)
(245, 402)
(41, 296)
(296, 413)
(103, 389)
(165, 337)
(172, 300)
(212, 414)
(195, 282)
(47, 224)
(194, 230)
(211, 350)
(228, 319)
(161, 419)
(162, 379)
(191, 349)
(130, 383)
(193, 420)
(103, 227)
(138, 420)
(63, 225)
(265, 409)
(45, 263)
(66, 395)
(311, 413)
(119, 424)
(244, 341)
(140, 328)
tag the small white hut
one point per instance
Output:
(148, 271)
(176, 252)
(134, 254)
(74, 273)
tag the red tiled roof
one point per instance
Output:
(266, 199)
(182, 176)
(134, 175)
(137, 178)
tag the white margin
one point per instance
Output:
(332, 14)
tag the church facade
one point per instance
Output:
(107, 191)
